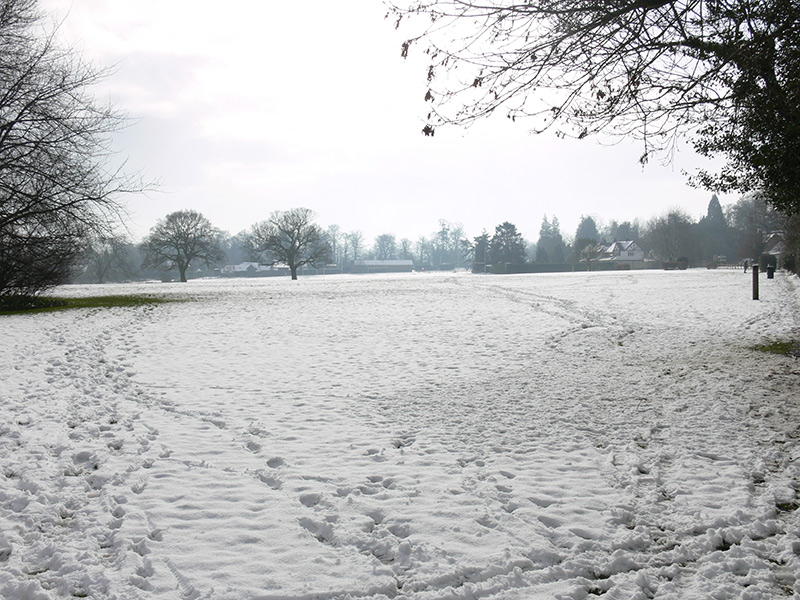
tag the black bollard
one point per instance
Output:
(755, 282)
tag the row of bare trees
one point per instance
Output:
(185, 238)
(186, 242)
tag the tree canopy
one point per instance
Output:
(56, 190)
(551, 246)
(587, 230)
(725, 72)
(181, 238)
(290, 237)
(507, 245)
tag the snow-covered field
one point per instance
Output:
(418, 436)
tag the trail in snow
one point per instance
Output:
(422, 437)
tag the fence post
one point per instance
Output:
(755, 282)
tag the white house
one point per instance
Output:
(776, 246)
(623, 253)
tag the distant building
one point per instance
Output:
(776, 246)
(623, 254)
(253, 269)
(382, 266)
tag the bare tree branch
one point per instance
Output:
(55, 188)
(724, 72)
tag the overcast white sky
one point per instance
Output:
(245, 107)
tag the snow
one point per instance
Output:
(422, 436)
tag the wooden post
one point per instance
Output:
(755, 282)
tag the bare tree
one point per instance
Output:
(727, 72)
(180, 239)
(385, 247)
(405, 249)
(587, 250)
(752, 219)
(456, 247)
(335, 235)
(291, 237)
(104, 254)
(55, 187)
(35, 258)
(670, 235)
(424, 249)
(355, 240)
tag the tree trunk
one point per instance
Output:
(183, 274)
(294, 271)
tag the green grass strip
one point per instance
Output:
(784, 348)
(16, 305)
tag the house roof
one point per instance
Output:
(775, 244)
(622, 246)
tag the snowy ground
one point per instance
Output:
(418, 436)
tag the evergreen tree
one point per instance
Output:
(587, 230)
(479, 249)
(550, 247)
(714, 237)
(507, 245)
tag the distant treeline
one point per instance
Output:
(725, 235)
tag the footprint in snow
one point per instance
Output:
(511, 506)
(270, 480)
(549, 521)
(311, 499)
(403, 440)
(487, 521)
(275, 462)
(145, 569)
(375, 454)
(140, 546)
(257, 430)
(155, 534)
(216, 422)
(141, 583)
(138, 486)
(322, 531)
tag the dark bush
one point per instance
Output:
(790, 263)
(19, 302)
(767, 260)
